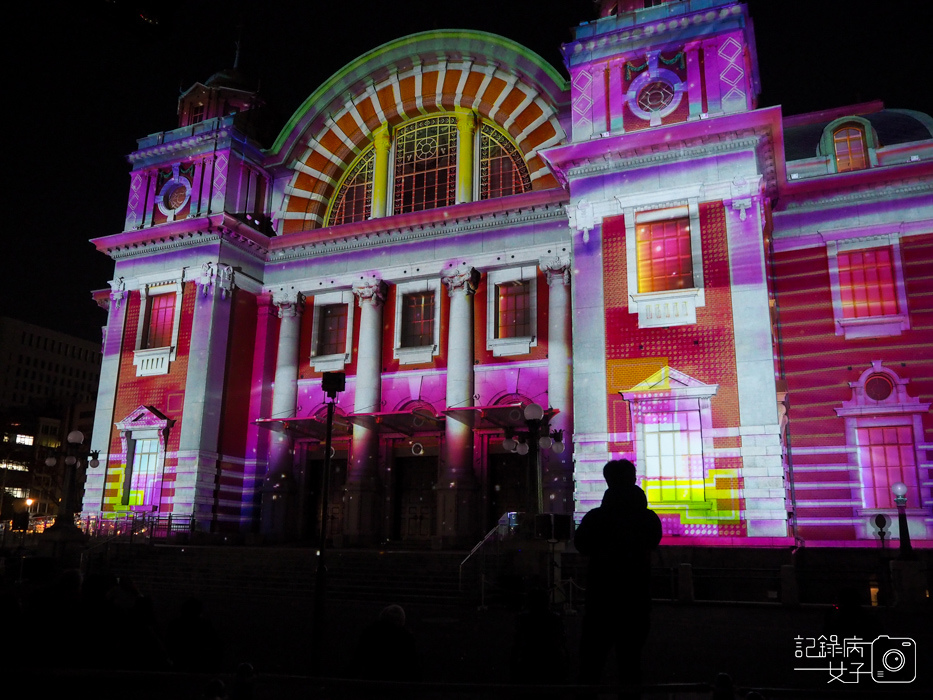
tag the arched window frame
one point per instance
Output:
(368, 152)
(869, 138)
(898, 410)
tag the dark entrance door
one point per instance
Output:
(507, 482)
(415, 499)
(337, 481)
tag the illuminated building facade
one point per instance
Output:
(734, 299)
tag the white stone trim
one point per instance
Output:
(421, 354)
(505, 347)
(872, 326)
(335, 362)
(670, 307)
(155, 361)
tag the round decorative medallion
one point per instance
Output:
(174, 194)
(878, 387)
(426, 148)
(655, 96)
(175, 198)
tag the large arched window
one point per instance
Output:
(850, 148)
(425, 165)
(355, 196)
(424, 174)
(501, 169)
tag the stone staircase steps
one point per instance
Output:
(239, 574)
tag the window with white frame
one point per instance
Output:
(417, 321)
(332, 331)
(673, 455)
(141, 483)
(143, 435)
(671, 413)
(867, 286)
(884, 425)
(664, 265)
(511, 311)
(157, 332)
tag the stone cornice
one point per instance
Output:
(877, 191)
(478, 216)
(184, 234)
(759, 131)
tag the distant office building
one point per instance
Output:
(40, 366)
(49, 381)
(738, 300)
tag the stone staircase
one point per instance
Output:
(237, 574)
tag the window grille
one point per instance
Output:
(417, 320)
(354, 199)
(501, 169)
(664, 256)
(849, 145)
(513, 311)
(332, 338)
(161, 320)
(866, 283)
(426, 165)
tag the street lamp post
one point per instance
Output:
(538, 438)
(332, 383)
(72, 456)
(906, 551)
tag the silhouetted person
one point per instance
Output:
(618, 538)
(539, 654)
(386, 651)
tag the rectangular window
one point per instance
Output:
(887, 457)
(674, 455)
(142, 477)
(332, 336)
(866, 283)
(513, 310)
(161, 320)
(417, 320)
(664, 256)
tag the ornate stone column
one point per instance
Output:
(456, 487)
(279, 510)
(199, 444)
(558, 468)
(466, 126)
(380, 171)
(362, 477)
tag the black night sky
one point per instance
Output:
(89, 77)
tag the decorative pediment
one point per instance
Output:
(669, 379)
(145, 418)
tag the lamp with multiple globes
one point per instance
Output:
(539, 437)
(74, 460)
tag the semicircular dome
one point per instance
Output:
(503, 83)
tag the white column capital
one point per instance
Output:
(216, 278)
(117, 293)
(461, 278)
(556, 269)
(372, 291)
(289, 302)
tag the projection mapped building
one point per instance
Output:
(737, 300)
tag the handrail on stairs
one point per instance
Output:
(507, 521)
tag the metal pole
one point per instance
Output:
(320, 575)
